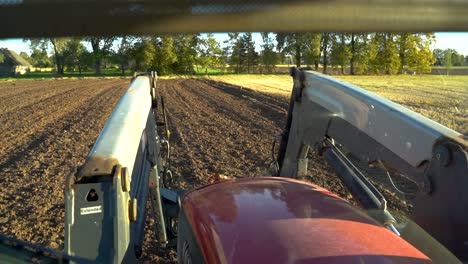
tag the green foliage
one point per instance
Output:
(252, 57)
(101, 49)
(457, 59)
(387, 59)
(210, 54)
(340, 52)
(39, 56)
(415, 51)
(142, 53)
(76, 57)
(242, 54)
(449, 58)
(40, 59)
(269, 58)
(58, 46)
(235, 52)
(438, 56)
(325, 49)
(185, 48)
(312, 52)
(2, 58)
(365, 53)
(300, 46)
(165, 55)
(122, 55)
(424, 57)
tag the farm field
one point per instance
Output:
(222, 125)
(439, 97)
(48, 126)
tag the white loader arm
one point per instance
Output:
(325, 112)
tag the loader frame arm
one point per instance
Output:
(105, 199)
(323, 110)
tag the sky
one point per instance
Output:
(445, 40)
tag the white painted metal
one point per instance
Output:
(408, 134)
(120, 137)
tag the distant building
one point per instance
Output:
(410, 72)
(12, 64)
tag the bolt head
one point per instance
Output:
(442, 155)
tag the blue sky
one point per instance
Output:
(454, 40)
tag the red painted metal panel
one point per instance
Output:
(278, 220)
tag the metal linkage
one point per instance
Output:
(376, 129)
(359, 186)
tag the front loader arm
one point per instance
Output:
(105, 199)
(325, 113)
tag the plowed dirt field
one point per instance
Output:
(48, 127)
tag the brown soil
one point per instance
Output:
(47, 129)
(49, 126)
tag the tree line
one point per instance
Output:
(353, 53)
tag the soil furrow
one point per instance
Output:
(31, 96)
(40, 115)
(49, 161)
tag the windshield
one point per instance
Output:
(227, 98)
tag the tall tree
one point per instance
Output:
(340, 52)
(123, 50)
(448, 60)
(366, 53)
(414, 50)
(165, 54)
(185, 46)
(269, 57)
(58, 46)
(210, 54)
(248, 45)
(406, 48)
(312, 52)
(303, 47)
(238, 52)
(362, 52)
(325, 49)
(457, 59)
(438, 56)
(101, 48)
(75, 54)
(292, 44)
(39, 54)
(424, 58)
(142, 52)
(387, 59)
(353, 53)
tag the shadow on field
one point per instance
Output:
(271, 107)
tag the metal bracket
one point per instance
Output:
(302, 167)
(299, 78)
(447, 197)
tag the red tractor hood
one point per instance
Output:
(278, 220)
